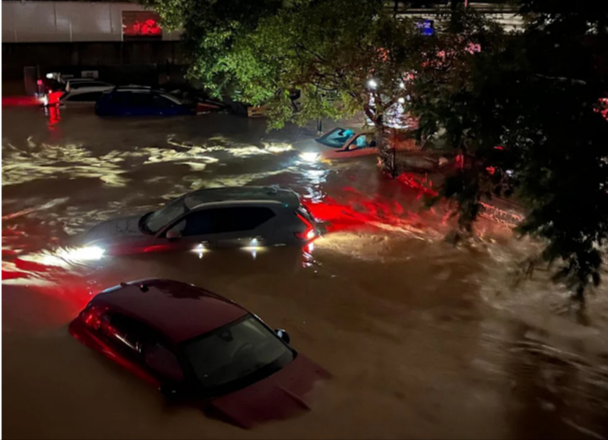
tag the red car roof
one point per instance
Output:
(180, 311)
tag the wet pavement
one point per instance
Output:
(423, 339)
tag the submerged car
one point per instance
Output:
(340, 143)
(200, 348)
(336, 144)
(140, 101)
(207, 218)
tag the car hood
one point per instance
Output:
(115, 228)
(277, 396)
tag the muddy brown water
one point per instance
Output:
(424, 340)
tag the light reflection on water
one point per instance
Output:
(424, 339)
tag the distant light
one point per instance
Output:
(402, 85)
(372, 84)
(309, 156)
(39, 82)
(401, 100)
(49, 75)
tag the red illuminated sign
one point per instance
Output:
(141, 24)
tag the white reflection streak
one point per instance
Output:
(66, 257)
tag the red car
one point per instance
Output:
(199, 348)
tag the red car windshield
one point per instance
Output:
(235, 355)
(336, 138)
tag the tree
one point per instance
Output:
(210, 29)
(535, 95)
(343, 55)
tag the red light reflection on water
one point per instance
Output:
(390, 209)
(359, 211)
(418, 182)
(24, 267)
(20, 101)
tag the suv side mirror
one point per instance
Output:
(283, 335)
(173, 234)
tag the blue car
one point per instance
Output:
(140, 101)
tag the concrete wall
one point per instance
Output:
(49, 21)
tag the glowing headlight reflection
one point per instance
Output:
(309, 156)
(200, 249)
(253, 247)
(87, 253)
(66, 257)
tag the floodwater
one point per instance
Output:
(423, 339)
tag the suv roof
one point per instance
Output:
(180, 311)
(286, 197)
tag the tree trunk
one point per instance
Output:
(386, 150)
(386, 154)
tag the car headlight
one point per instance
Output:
(88, 253)
(310, 156)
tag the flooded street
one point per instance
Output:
(423, 339)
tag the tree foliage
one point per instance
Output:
(536, 94)
(211, 29)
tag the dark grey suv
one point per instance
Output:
(220, 217)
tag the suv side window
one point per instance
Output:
(140, 99)
(160, 101)
(118, 98)
(143, 345)
(222, 220)
(126, 333)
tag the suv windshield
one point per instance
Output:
(236, 351)
(160, 218)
